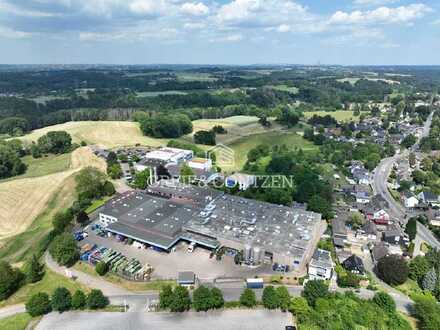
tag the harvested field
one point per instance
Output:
(22, 200)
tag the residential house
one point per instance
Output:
(354, 264)
(321, 265)
(362, 197)
(393, 235)
(339, 232)
(429, 198)
(381, 217)
(409, 200)
(379, 251)
(368, 231)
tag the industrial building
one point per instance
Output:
(168, 212)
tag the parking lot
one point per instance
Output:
(167, 265)
(219, 320)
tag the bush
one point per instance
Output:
(61, 300)
(165, 297)
(393, 270)
(427, 312)
(247, 298)
(180, 300)
(283, 298)
(270, 298)
(217, 298)
(202, 299)
(205, 137)
(101, 268)
(232, 304)
(61, 221)
(64, 250)
(384, 301)
(313, 290)
(34, 270)
(96, 299)
(10, 279)
(79, 300)
(38, 304)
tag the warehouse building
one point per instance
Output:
(169, 212)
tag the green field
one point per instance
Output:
(190, 76)
(340, 115)
(284, 88)
(15, 322)
(48, 284)
(291, 139)
(153, 94)
(43, 166)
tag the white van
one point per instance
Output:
(191, 247)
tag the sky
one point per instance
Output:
(346, 32)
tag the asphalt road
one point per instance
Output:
(257, 319)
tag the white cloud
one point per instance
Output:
(382, 15)
(373, 2)
(8, 33)
(8, 8)
(263, 13)
(195, 9)
(148, 7)
(194, 26)
(229, 38)
(283, 28)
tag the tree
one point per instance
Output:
(411, 228)
(320, 205)
(165, 297)
(90, 182)
(430, 280)
(82, 217)
(10, 162)
(219, 129)
(392, 269)
(180, 301)
(57, 142)
(186, 174)
(356, 220)
(408, 141)
(114, 171)
(38, 304)
(79, 300)
(61, 300)
(34, 270)
(10, 279)
(313, 290)
(427, 312)
(202, 299)
(96, 299)
(385, 302)
(64, 250)
(142, 179)
(166, 125)
(61, 221)
(205, 137)
(299, 307)
(217, 300)
(112, 158)
(108, 189)
(270, 298)
(101, 268)
(247, 298)
(418, 267)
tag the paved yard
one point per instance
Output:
(222, 320)
(166, 265)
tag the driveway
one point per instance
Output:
(218, 320)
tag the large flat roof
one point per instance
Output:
(277, 229)
(164, 214)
